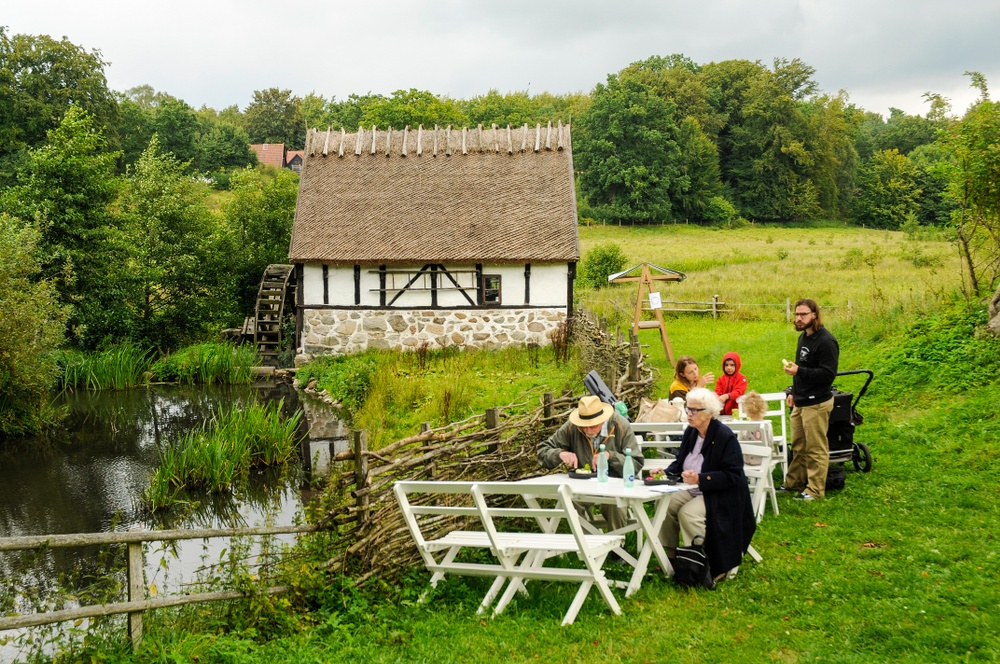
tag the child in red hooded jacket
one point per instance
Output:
(731, 385)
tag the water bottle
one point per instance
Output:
(628, 470)
(602, 465)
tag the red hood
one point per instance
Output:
(735, 357)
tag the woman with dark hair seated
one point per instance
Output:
(719, 509)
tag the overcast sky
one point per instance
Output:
(217, 52)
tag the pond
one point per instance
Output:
(90, 477)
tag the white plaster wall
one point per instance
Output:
(549, 283)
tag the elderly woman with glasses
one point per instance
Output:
(719, 508)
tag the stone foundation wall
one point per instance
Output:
(342, 332)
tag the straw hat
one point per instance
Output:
(591, 411)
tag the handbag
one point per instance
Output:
(691, 566)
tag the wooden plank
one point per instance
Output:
(326, 143)
(406, 135)
(510, 142)
(420, 137)
(374, 138)
(343, 139)
(357, 144)
(538, 136)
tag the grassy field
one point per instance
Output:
(902, 565)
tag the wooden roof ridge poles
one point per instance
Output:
(646, 279)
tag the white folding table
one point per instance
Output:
(613, 492)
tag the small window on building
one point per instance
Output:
(491, 289)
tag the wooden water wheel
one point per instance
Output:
(277, 287)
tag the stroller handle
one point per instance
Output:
(864, 388)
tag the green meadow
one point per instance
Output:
(902, 565)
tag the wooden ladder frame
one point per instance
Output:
(646, 279)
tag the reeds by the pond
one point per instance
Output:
(217, 456)
(114, 369)
(208, 363)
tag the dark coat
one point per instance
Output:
(729, 518)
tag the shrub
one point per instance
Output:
(601, 261)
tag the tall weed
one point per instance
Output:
(208, 364)
(117, 368)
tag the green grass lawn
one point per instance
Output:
(902, 565)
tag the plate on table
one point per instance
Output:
(581, 475)
(669, 481)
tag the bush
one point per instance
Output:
(601, 261)
(32, 323)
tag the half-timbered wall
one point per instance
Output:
(545, 285)
(343, 310)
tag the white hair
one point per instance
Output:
(706, 398)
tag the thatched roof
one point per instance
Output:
(437, 195)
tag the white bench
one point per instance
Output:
(659, 436)
(519, 553)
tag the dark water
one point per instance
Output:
(89, 477)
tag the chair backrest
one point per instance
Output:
(446, 499)
(658, 435)
(777, 412)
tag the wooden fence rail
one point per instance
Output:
(137, 602)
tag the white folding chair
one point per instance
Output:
(777, 414)
(757, 468)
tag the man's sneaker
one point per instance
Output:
(805, 496)
(785, 489)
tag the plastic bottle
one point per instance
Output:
(628, 470)
(602, 465)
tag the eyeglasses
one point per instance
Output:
(690, 410)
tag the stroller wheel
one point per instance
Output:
(862, 458)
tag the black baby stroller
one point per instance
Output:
(843, 420)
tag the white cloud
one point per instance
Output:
(883, 52)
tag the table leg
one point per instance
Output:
(652, 545)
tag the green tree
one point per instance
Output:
(411, 108)
(67, 187)
(259, 218)
(179, 285)
(32, 323)
(178, 129)
(888, 190)
(40, 78)
(224, 147)
(973, 173)
(513, 108)
(275, 116)
(627, 153)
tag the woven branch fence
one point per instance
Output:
(364, 528)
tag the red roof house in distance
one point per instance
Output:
(272, 154)
(293, 160)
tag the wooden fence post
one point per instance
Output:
(715, 306)
(788, 310)
(359, 443)
(136, 591)
(634, 355)
(548, 410)
(492, 423)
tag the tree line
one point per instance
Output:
(112, 231)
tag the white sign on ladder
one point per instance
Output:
(654, 301)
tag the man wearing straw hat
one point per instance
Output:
(577, 442)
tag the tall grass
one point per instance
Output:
(222, 453)
(207, 364)
(754, 269)
(390, 394)
(117, 368)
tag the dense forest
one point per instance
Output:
(134, 217)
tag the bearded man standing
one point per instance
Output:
(811, 401)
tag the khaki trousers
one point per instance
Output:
(810, 448)
(685, 516)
